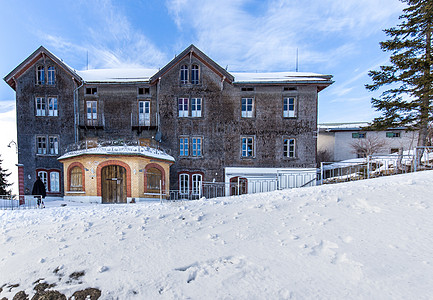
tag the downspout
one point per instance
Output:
(76, 116)
(158, 121)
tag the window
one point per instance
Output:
(91, 91)
(183, 107)
(247, 107)
(184, 74)
(183, 146)
(359, 135)
(40, 75)
(76, 179)
(196, 184)
(194, 74)
(184, 184)
(53, 145)
(51, 80)
(54, 182)
(196, 107)
(92, 113)
(52, 107)
(51, 180)
(395, 150)
(289, 107)
(247, 146)
(40, 106)
(144, 113)
(292, 88)
(43, 176)
(289, 148)
(144, 91)
(393, 134)
(154, 180)
(196, 146)
(247, 89)
(41, 144)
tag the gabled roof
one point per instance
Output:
(193, 50)
(31, 60)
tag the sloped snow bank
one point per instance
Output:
(370, 239)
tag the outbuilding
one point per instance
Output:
(116, 174)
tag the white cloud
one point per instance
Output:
(268, 39)
(110, 40)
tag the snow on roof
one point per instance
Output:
(121, 150)
(279, 77)
(117, 75)
(343, 126)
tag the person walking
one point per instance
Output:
(39, 191)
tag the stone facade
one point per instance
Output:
(235, 123)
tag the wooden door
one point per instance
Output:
(113, 184)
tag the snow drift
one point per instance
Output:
(369, 239)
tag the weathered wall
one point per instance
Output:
(29, 125)
(222, 126)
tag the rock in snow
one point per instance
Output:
(370, 239)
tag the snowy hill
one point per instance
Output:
(370, 239)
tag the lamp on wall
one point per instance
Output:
(15, 144)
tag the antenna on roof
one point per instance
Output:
(297, 57)
(87, 59)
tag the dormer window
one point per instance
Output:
(194, 74)
(40, 75)
(184, 74)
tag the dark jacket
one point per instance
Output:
(39, 188)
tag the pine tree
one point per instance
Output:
(408, 101)
(3, 180)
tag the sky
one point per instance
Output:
(334, 37)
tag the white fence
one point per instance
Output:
(372, 166)
(14, 202)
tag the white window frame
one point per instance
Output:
(144, 113)
(53, 145)
(289, 107)
(196, 182)
(183, 146)
(92, 112)
(40, 75)
(247, 152)
(184, 74)
(54, 182)
(196, 107)
(41, 145)
(197, 146)
(51, 78)
(53, 107)
(184, 183)
(289, 147)
(41, 106)
(247, 107)
(183, 106)
(43, 175)
(195, 74)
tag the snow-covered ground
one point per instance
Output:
(370, 239)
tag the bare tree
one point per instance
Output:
(367, 146)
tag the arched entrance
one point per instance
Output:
(113, 184)
(238, 186)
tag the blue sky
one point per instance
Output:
(336, 37)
